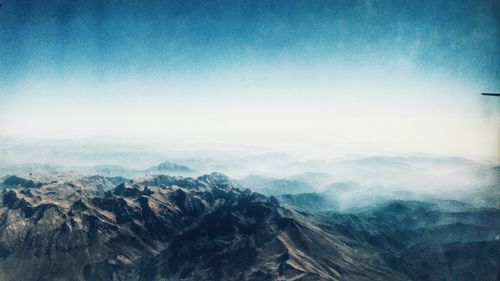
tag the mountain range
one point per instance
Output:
(159, 227)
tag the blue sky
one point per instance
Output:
(400, 76)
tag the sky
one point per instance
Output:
(360, 76)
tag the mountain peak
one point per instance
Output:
(168, 166)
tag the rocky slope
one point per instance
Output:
(169, 228)
(440, 240)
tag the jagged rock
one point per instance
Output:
(205, 228)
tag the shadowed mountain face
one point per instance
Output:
(15, 181)
(172, 228)
(440, 240)
(208, 228)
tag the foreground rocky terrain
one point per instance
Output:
(70, 227)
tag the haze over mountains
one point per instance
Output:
(410, 217)
(269, 140)
(266, 171)
(209, 228)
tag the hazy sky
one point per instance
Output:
(379, 76)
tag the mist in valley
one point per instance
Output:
(348, 182)
(249, 140)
